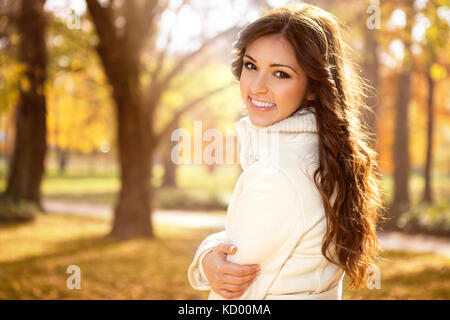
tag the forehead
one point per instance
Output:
(274, 48)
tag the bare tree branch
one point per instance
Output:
(182, 62)
(139, 18)
(9, 9)
(163, 53)
(186, 108)
(103, 18)
(150, 10)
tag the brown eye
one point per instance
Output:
(249, 66)
(282, 75)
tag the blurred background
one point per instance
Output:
(92, 91)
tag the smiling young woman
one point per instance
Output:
(272, 90)
(305, 210)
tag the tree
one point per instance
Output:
(401, 157)
(436, 38)
(27, 163)
(120, 49)
(169, 179)
(427, 194)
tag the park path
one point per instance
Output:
(388, 239)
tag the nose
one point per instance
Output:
(259, 85)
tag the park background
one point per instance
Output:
(91, 91)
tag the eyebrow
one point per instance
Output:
(273, 64)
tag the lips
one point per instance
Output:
(261, 105)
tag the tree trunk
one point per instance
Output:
(401, 157)
(63, 158)
(27, 162)
(132, 216)
(170, 168)
(400, 148)
(428, 196)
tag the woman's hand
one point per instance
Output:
(228, 279)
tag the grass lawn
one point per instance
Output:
(34, 257)
(197, 188)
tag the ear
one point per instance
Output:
(311, 96)
(310, 92)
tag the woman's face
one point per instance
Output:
(272, 83)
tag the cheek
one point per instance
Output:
(244, 84)
(292, 93)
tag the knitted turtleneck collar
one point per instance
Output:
(284, 136)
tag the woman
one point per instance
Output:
(303, 212)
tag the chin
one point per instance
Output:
(261, 122)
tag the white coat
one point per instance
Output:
(276, 216)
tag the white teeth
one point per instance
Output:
(262, 104)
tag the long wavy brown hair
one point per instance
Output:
(347, 161)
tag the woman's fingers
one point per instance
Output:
(228, 279)
(226, 248)
(239, 270)
(238, 280)
(229, 294)
(237, 287)
(234, 268)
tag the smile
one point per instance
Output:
(261, 105)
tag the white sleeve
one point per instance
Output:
(200, 263)
(267, 224)
(196, 276)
